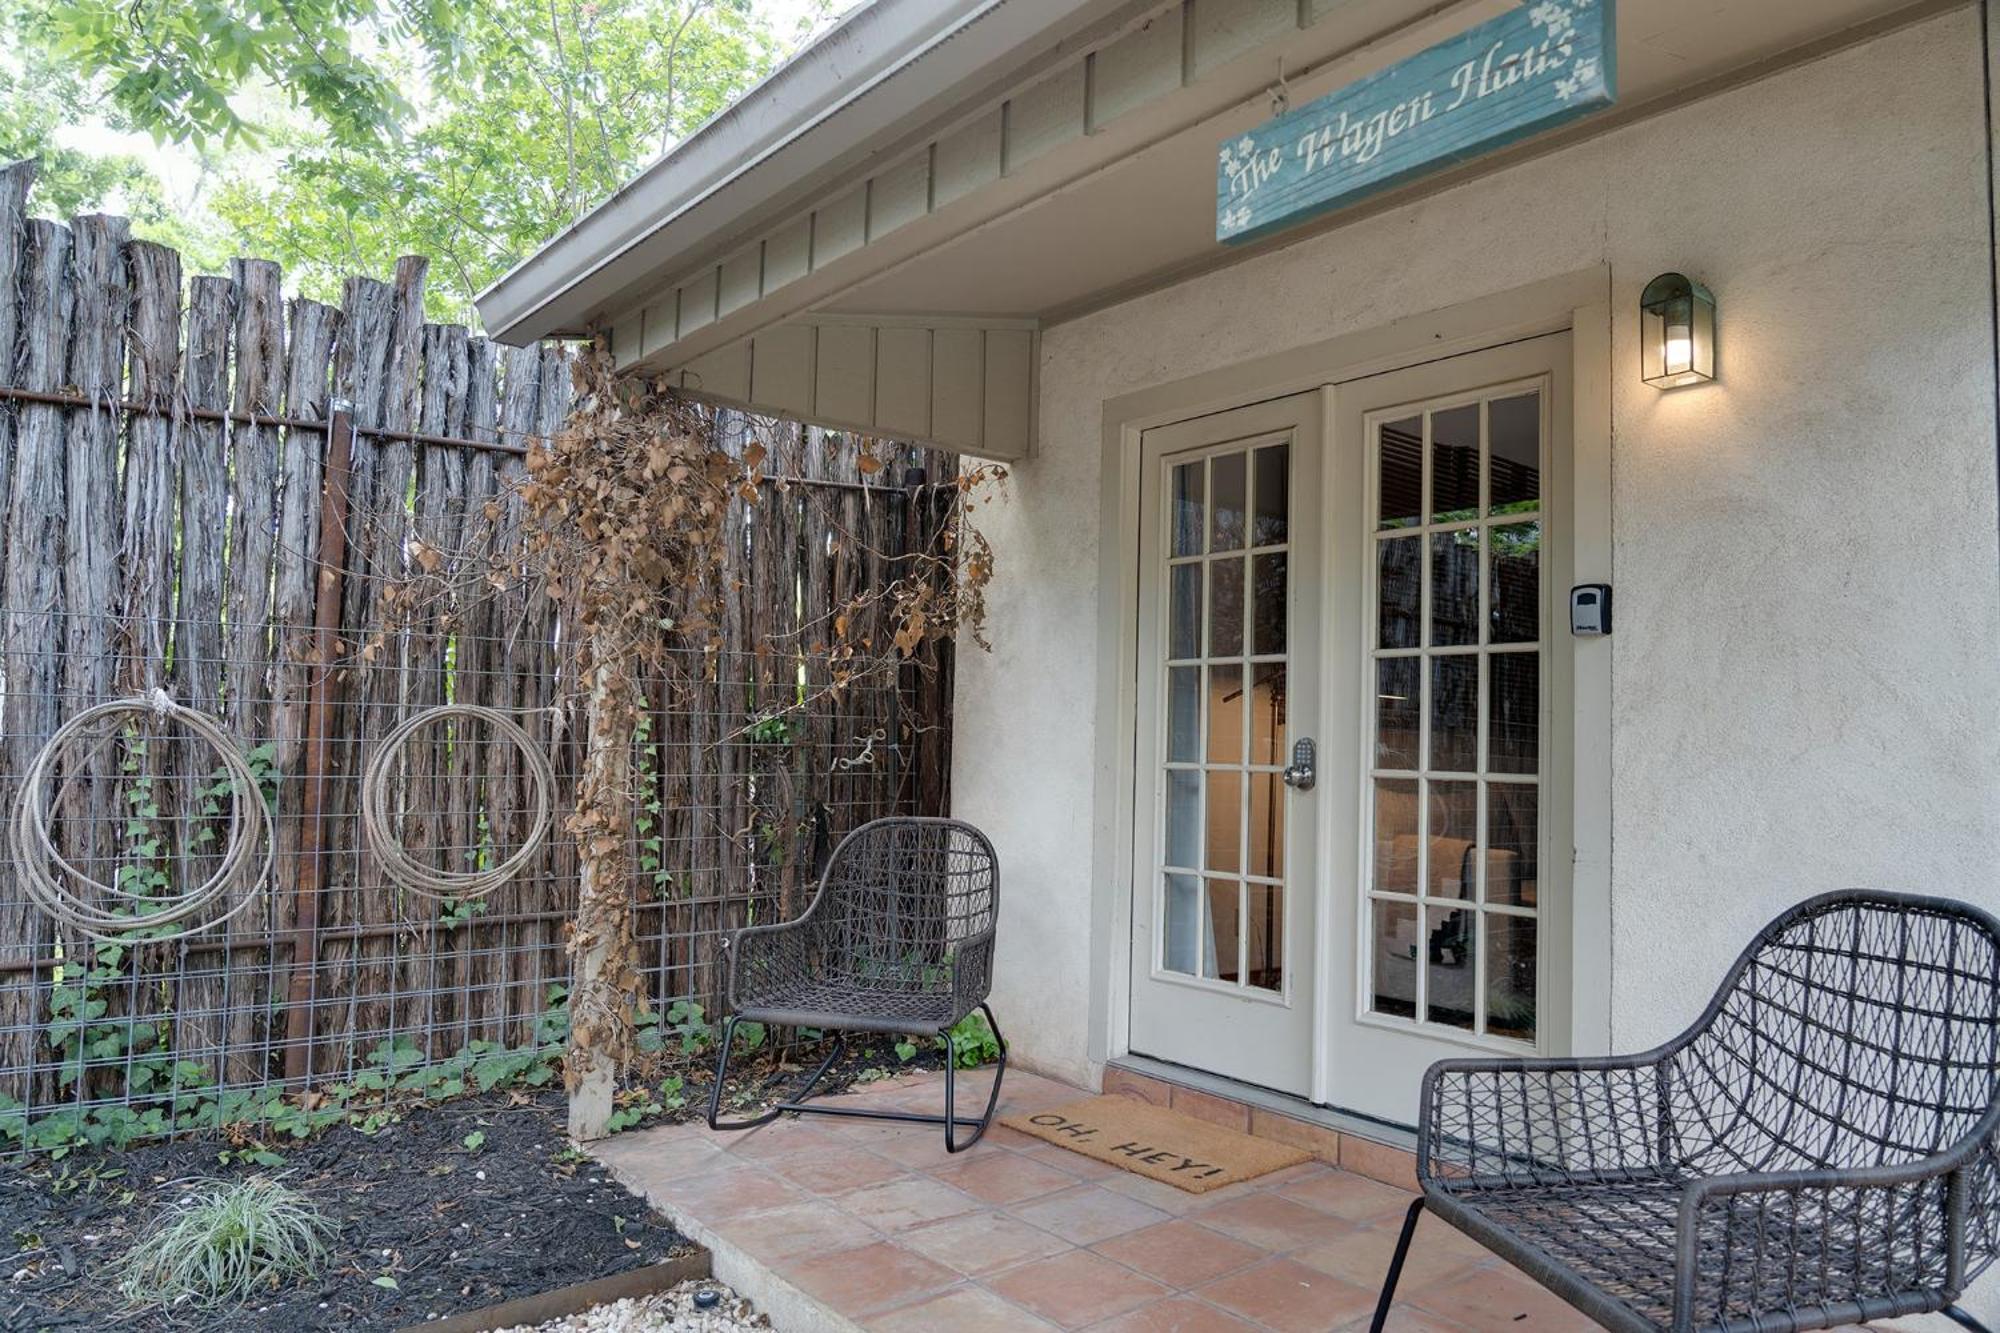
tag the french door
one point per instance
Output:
(1224, 919)
(1371, 568)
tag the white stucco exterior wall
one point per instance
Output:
(1806, 668)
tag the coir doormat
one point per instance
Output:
(1155, 1142)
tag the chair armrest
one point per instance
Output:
(1512, 1122)
(761, 958)
(971, 973)
(1821, 1237)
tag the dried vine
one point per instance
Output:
(627, 507)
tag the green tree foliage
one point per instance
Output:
(555, 105)
(173, 67)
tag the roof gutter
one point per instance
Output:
(844, 98)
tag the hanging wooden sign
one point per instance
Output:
(1538, 66)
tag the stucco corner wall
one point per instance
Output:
(1806, 669)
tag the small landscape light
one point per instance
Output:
(707, 1298)
(1676, 332)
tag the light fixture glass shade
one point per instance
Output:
(1676, 332)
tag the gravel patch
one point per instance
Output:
(672, 1310)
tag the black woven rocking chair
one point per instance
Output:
(1818, 1149)
(899, 939)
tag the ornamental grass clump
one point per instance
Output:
(225, 1242)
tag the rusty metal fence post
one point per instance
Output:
(318, 743)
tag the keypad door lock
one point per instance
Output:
(1300, 776)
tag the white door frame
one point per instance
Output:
(1578, 301)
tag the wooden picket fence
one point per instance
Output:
(207, 488)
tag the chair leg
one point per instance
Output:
(951, 1116)
(1388, 1297)
(722, 1070)
(1964, 1320)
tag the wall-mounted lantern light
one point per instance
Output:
(1676, 332)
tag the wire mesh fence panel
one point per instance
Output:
(304, 524)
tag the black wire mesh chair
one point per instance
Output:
(1819, 1148)
(899, 939)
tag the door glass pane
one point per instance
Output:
(1187, 508)
(1272, 493)
(1224, 935)
(1225, 612)
(1510, 976)
(1399, 574)
(1267, 593)
(1229, 488)
(1455, 587)
(1393, 949)
(1181, 925)
(1455, 463)
(1397, 711)
(1517, 583)
(1400, 466)
(1513, 839)
(1225, 821)
(1455, 713)
(1395, 835)
(1514, 717)
(1264, 936)
(1183, 818)
(1225, 714)
(1268, 743)
(1452, 840)
(1267, 825)
(1184, 615)
(1448, 980)
(1457, 679)
(1183, 714)
(1514, 426)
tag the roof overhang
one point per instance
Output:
(871, 238)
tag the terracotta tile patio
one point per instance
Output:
(836, 1225)
(847, 1224)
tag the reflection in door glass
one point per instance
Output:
(1267, 715)
(1510, 976)
(1273, 494)
(1449, 969)
(1393, 949)
(1189, 488)
(1457, 715)
(1228, 495)
(1181, 924)
(1264, 937)
(1455, 464)
(1224, 932)
(1400, 473)
(1227, 632)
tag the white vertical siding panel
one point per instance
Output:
(844, 376)
(840, 226)
(1140, 66)
(697, 302)
(1046, 115)
(900, 195)
(1008, 428)
(903, 381)
(968, 158)
(1225, 29)
(742, 279)
(958, 387)
(788, 253)
(782, 371)
(724, 373)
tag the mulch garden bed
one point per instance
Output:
(428, 1226)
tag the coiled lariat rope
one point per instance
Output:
(73, 898)
(379, 812)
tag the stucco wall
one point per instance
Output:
(1806, 670)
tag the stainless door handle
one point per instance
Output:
(1300, 775)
